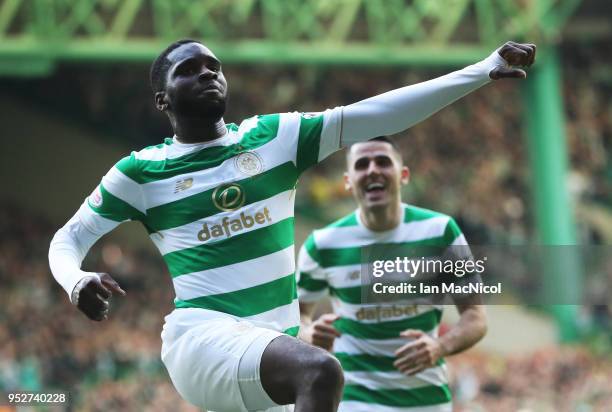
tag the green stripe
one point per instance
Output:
(387, 330)
(145, 171)
(115, 209)
(369, 363)
(451, 232)
(348, 220)
(310, 284)
(349, 295)
(199, 206)
(414, 214)
(249, 301)
(381, 251)
(425, 395)
(311, 248)
(309, 139)
(238, 248)
(292, 331)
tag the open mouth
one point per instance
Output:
(375, 187)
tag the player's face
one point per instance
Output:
(375, 174)
(195, 84)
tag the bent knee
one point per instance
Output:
(324, 372)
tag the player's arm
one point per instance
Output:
(115, 200)
(399, 109)
(424, 351)
(312, 286)
(317, 135)
(469, 330)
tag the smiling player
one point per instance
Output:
(392, 357)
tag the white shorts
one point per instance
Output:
(213, 361)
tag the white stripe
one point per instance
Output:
(246, 126)
(354, 236)
(93, 222)
(459, 241)
(396, 380)
(124, 188)
(355, 406)
(307, 264)
(152, 153)
(344, 276)
(181, 320)
(376, 347)
(330, 135)
(280, 207)
(235, 277)
(281, 318)
(162, 191)
(176, 149)
(288, 133)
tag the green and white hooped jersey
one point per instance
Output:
(221, 212)
(330, 262)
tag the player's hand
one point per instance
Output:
(515, 54)
(92, 295)
(421, 353)
(321, 332)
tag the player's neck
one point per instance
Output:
(190, 130)
(381, 219)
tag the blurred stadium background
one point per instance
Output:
(514, 164)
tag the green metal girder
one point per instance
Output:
(382, 32)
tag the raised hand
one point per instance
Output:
(515, 54)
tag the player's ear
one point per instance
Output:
(161, 102)
(405, 176)
(347, 183)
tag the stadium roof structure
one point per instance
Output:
(35, 34)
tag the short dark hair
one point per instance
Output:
(159, 68)
(384, 139)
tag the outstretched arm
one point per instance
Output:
(399, 109)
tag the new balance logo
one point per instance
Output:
(183, 184)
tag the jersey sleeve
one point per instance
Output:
(116, 199)
(312, 279)
(310, 137)
(119, 197)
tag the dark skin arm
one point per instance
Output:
(93, 297)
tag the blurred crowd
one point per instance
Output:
(45, 343)
(550, 380)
